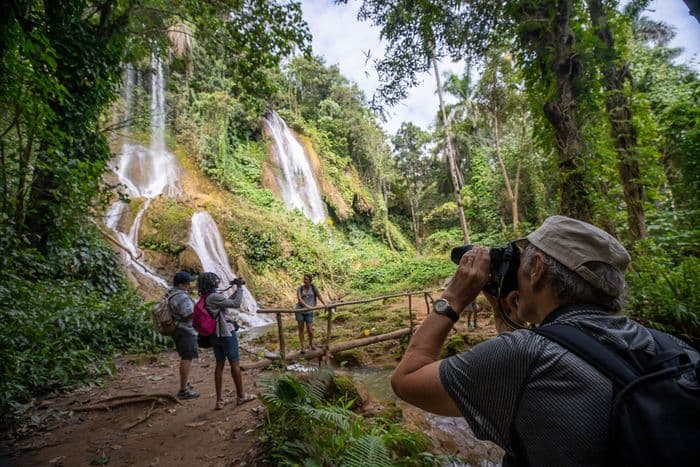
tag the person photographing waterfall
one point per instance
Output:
(307, 294)
(588, 386)
(224, 341)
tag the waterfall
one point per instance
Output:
(297, 182)
(206, 241)
(145, 172)
(129, 79)
(150, 172)
(129, 240)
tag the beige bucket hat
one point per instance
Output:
(575, 243)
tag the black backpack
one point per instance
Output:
(655, 420)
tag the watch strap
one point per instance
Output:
(449, 312)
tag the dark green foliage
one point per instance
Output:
(663, 292)
(63, 321)
(305, 427)
(406, 274)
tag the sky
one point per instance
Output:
(343, 40)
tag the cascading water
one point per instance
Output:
(149, 172)
(297, 182)
(206, 241)
(145, 172)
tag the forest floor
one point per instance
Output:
(158, 430)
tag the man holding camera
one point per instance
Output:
(540, 402)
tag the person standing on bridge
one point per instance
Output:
(224, 341)
(307, 294)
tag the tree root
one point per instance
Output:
(142, 419)
(118, 401)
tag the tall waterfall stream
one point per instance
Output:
(151, 172)
(296, 178)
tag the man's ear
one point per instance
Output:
(536, 269)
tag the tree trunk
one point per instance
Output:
(449, 150)
(619, 111)
(512, 196)
(414, 219)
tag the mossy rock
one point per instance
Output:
(391, 413)
(350, 358)
(460, 343)
(189, 260)
(167, 226)
(342, 388)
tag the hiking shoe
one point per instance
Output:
(188, 394)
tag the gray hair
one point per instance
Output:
(572, 288)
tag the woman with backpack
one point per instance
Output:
(224, 340)
(307, 294)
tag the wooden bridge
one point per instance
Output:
(328, 347)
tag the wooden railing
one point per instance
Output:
(331, 308)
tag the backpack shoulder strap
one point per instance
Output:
(590, 349)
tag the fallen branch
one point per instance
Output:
(142, 419)
(118, 401)
(33, 447)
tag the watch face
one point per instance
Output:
(441, 305)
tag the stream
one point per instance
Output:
(450, 435)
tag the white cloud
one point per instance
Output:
(343, 40)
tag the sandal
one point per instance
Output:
(221, 403)
(245, 398)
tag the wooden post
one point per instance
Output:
(280, 331)
(427, 305)
(329, 323)
(410, 313)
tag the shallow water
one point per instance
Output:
(451, 435)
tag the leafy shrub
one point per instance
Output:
(62, 330)
(401, 274)
(663, 293)
(304, 427)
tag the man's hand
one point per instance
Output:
(473, 272)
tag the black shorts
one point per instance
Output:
(186, 344)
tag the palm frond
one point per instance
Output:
(367, 450)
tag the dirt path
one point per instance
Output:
(186, 433)
(190, 433)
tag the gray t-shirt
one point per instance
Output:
(223, 309)
(308, 295)
(537, 400)
(181, 308)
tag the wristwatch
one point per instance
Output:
(442, 307)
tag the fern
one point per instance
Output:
(337, 416)
(367, 450)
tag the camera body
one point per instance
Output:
(505, 261)
(238, 281)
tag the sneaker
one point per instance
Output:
(188, 394)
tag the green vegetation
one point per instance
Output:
(605, 128)
(310, 421)
(62, 321)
